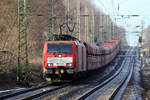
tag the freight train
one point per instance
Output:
(67, 58)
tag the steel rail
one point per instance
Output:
(91, 91)
(34, 96)
(122, 85)
(22, 91)
(117, 95)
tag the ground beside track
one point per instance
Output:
(134, 90)
(146, 77)
(80, 87)
(36, 79)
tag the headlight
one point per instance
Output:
(55, 64)
(69, 64)
(51, 64)
(44, 70)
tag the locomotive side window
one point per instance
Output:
(59, 48)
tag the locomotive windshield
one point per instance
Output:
(60, 48)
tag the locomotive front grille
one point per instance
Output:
(60, 61)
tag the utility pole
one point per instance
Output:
(86, 24)
(118, 31)
(49, 4)
(142, 31)
(67, 13)
(141, 39)
(106, 29)
(112, 30)
(103, 33)
(101, 29)
(78, 18)
(53, 26)
(22, 66)
(109, 28)
(115, 29)
(93, 26)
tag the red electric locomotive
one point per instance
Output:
(63, 59)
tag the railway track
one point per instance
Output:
(33, 93)
(82, 85)
(44, 91)
(112, 88)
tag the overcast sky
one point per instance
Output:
(127, 7)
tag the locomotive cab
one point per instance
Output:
(59, 59)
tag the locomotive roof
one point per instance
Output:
(64, 37)
(76, 42)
